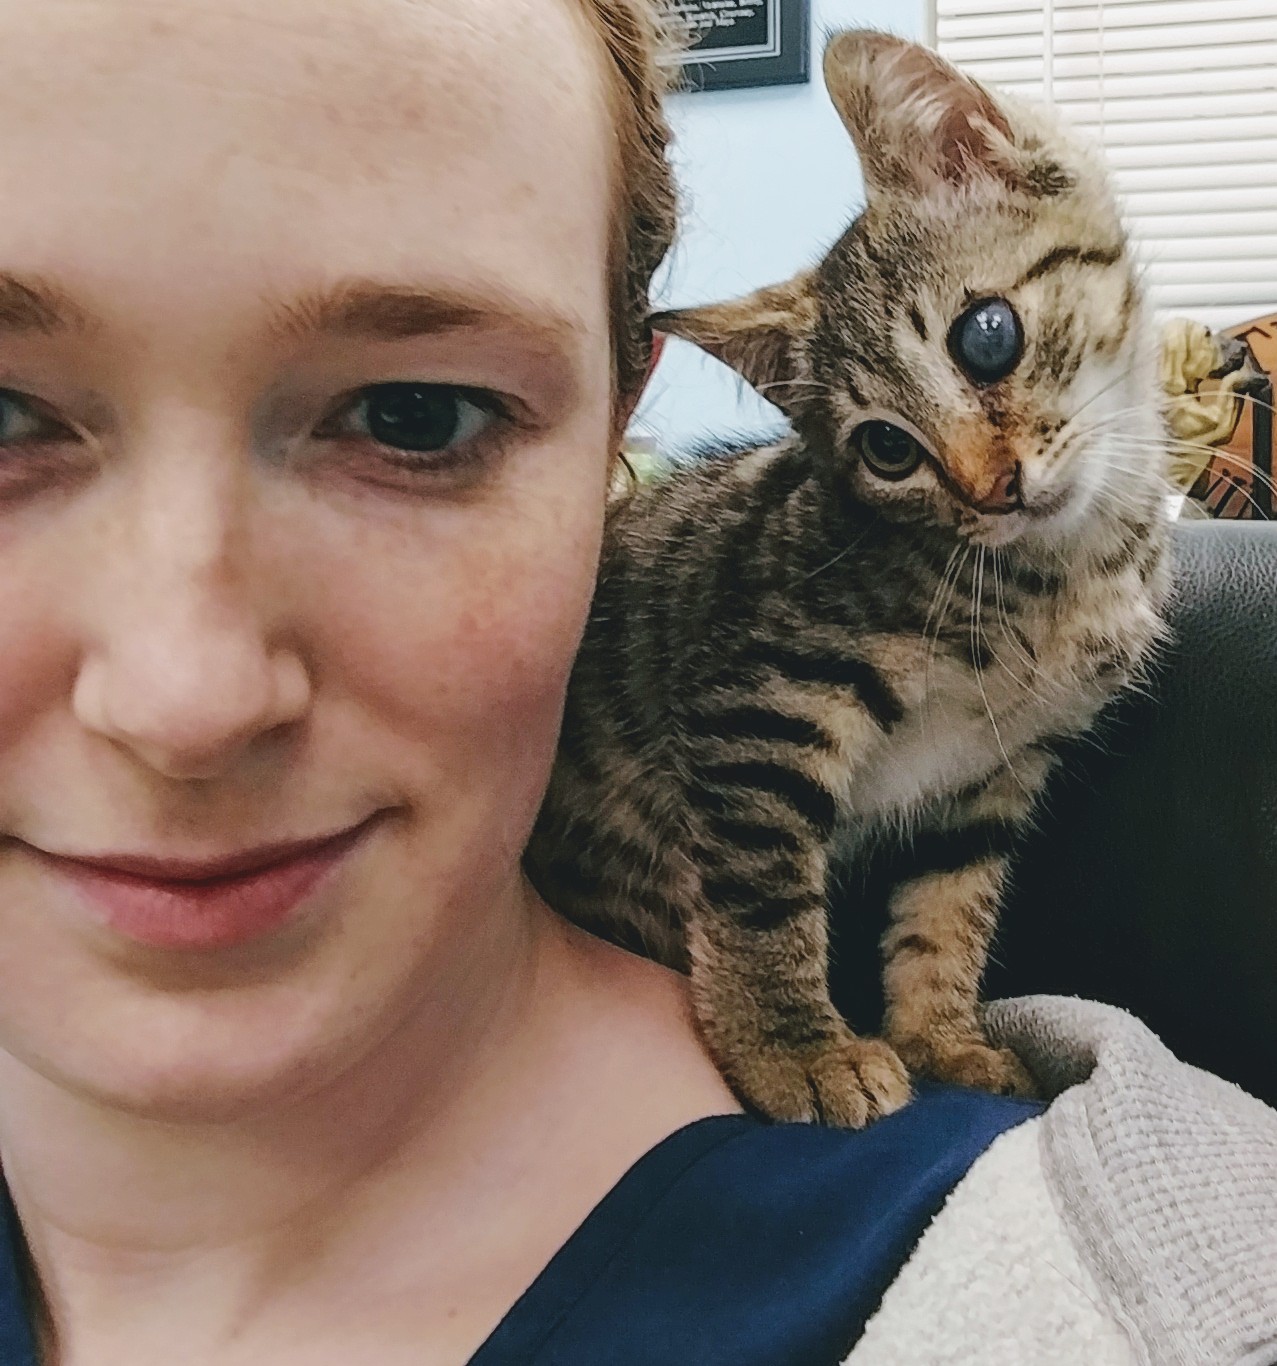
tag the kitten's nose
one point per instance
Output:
(1003, 494)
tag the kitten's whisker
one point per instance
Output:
(939, 606)
(1070, 430)
(794, 384)
(1244, 398)
(1107, 428)
(837, 559)
(977, 640)
(1025, 685)
(944, 578)
(1136, 466)
(1260, 514)
(1113, 500)
(1222, 454)
(1241, 464)
(1147, 451)
(1118, 414)
(948, 586)
(1009, 633)
(1108, 388)
(1172, 443)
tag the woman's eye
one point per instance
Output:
(20, 422)
(889, 451)
(418, 419)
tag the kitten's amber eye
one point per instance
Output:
(987, 341)
(888, 450)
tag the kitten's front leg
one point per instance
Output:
(757, 943)
(763, 1008)
(943, 918)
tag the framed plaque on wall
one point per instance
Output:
(732, 44)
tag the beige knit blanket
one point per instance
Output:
(1133, 1224)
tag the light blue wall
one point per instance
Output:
(769, 180)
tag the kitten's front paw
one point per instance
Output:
(973, 1064)
(846, 1082)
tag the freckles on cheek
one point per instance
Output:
(35, 660)
(507, 659)
(469, 670)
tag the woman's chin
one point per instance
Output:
(197, 1036)
(187, 1062)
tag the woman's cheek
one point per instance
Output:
(463, 656)
(37, 657)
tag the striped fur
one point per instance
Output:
(788, 655)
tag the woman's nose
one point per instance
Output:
(184, 666)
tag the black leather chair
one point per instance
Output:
(1151, 881)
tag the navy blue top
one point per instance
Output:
(732, 1243)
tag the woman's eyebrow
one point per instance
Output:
(30, 304)
(374, 311)
(368, 310)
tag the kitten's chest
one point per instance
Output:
(997, 685)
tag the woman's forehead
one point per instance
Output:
(351, 137)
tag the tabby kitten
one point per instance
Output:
(878, 629)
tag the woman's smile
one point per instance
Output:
(174, 903)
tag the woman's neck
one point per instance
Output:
(439, 1174)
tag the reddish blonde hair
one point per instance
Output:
(635, 38)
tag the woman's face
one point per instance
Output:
(245, 596)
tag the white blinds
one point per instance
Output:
(1184, 95)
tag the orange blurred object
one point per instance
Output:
(1237, 483)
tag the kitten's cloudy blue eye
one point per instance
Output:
(424, 419)
(889, 451)
(987, 341)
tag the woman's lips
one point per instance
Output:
(179, 904)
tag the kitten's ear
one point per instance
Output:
(916, 121)
(759, 335)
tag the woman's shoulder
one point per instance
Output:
(1129, 1219)
(736, 1241)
